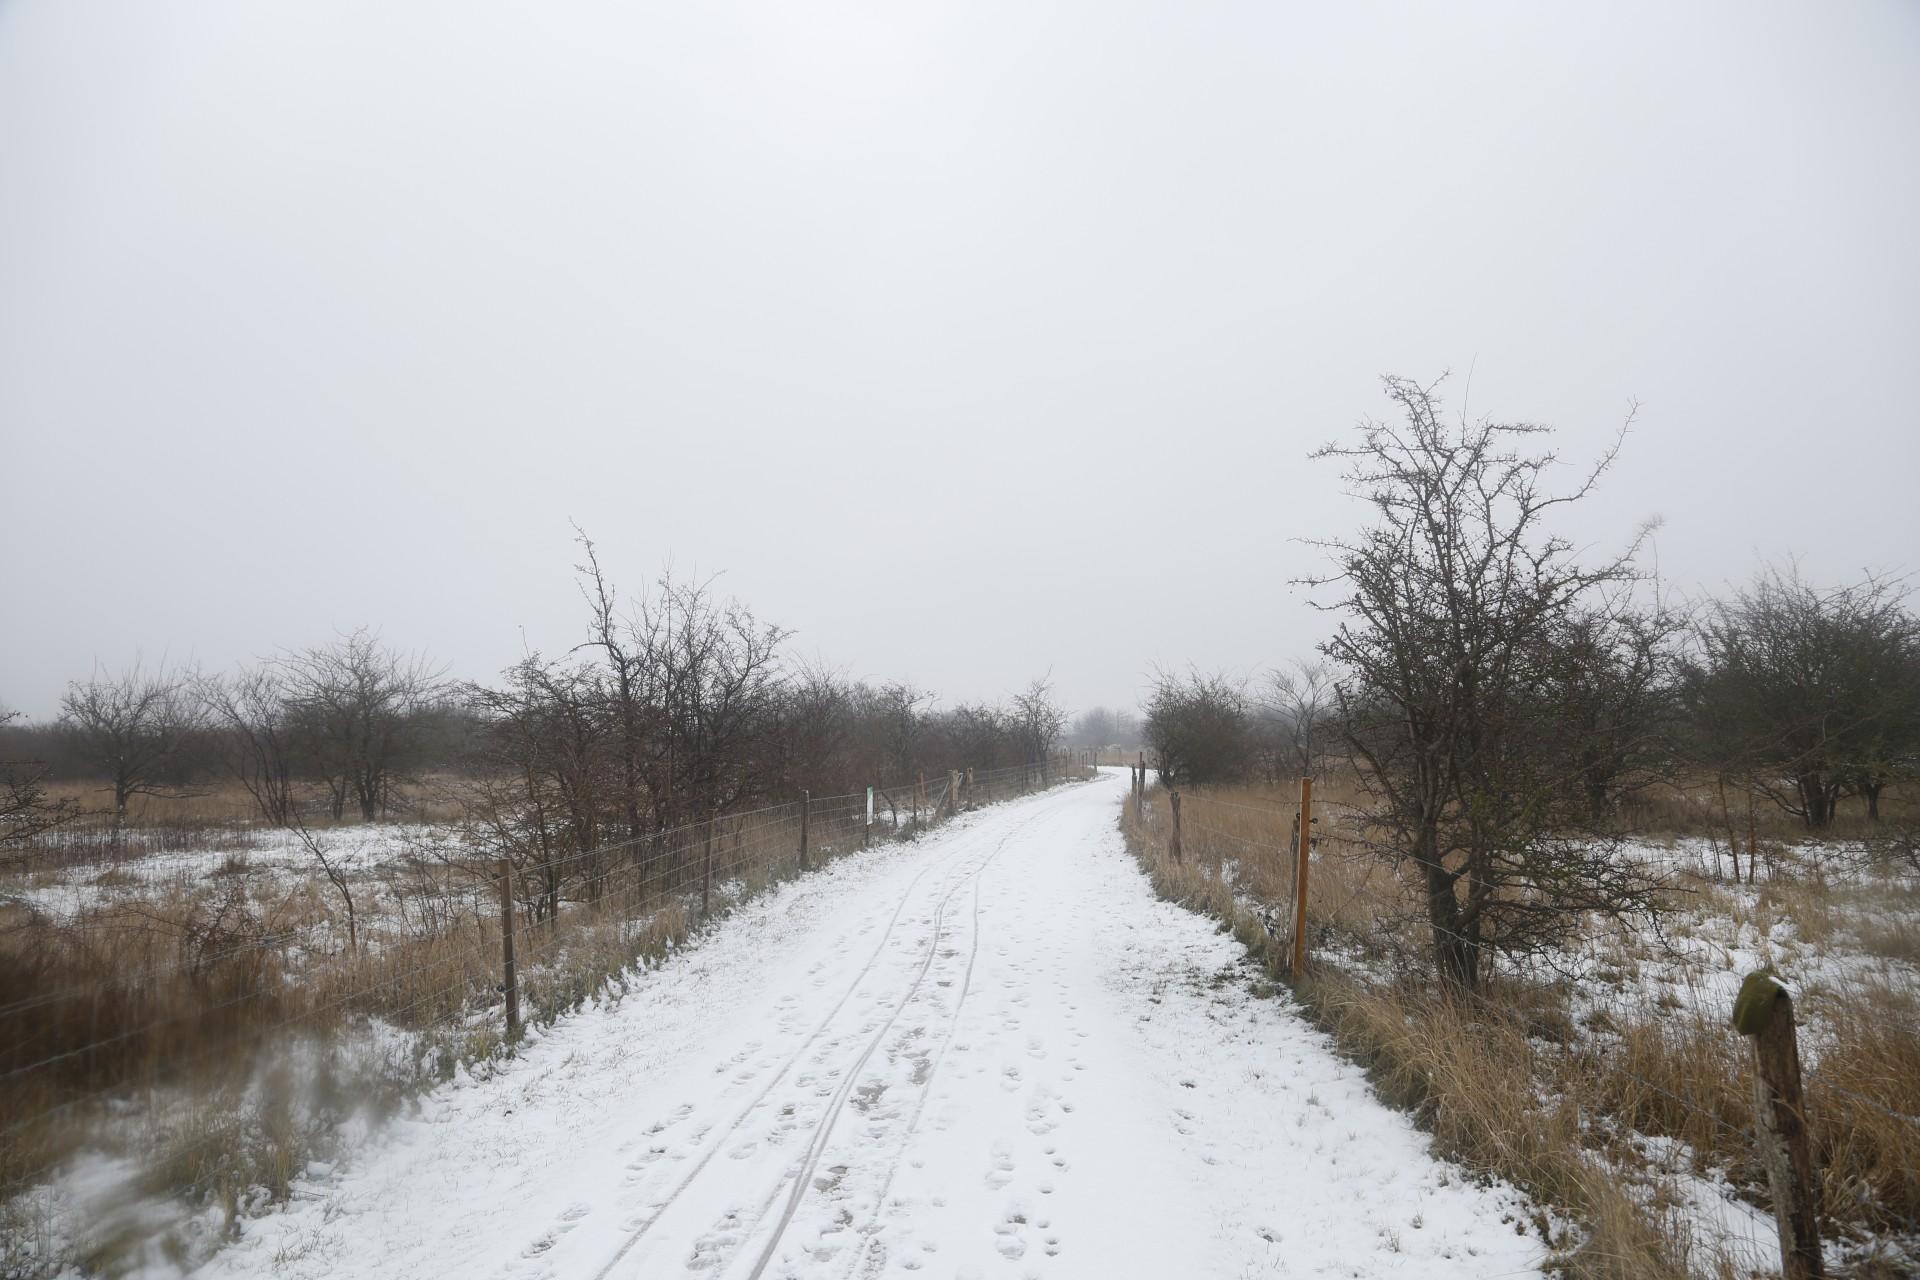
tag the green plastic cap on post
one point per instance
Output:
(1753, 1007)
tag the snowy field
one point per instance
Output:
(991, 1052)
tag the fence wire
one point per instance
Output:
(174, 998)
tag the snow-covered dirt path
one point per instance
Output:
(992, 1053)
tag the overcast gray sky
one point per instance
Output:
(968, 339)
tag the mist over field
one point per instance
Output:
(1090, 640)
(320, 316)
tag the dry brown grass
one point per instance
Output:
(1508, 1084)
(1692, 806)
(221, 802)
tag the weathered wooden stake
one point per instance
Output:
(510, 978)
(806, 815)
(1173, 841)
(1300, 879)
(1763, 1012)
(969, 786)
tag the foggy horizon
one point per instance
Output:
(969, 343)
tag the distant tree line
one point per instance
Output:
(676, 705)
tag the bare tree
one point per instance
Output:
(716, 680)
(1457, 600)
(259, 733)
(26, 809)
(1298, 706)
(1812, 693)
(1617, 693)
(1038, 721)
(136, 729)
(1198, 728)
(361, 706)
(980, 735)
(627, 669)
(815, 731)
(548, 785)
(900, 718)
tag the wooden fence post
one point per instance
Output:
(706, 872)
(1763, 1012)
(510, 978)
(1300, 879)
(866, 829)
(969, 786)
(806, 815)
(1173, 842)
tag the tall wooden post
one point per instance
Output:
(969, 786)
(1763, 1012)
(706, 872)
(1300, 879)
(866, 828)
(510, 977)
(1733, 841)
(806, 815)
(1173, 841)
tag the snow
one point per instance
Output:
(989, 1052)
(269, 857)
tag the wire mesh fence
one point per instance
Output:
(131, 1026)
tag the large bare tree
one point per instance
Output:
(1455, 675)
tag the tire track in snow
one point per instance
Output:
(871, 1263)
(719, 1140)
(824, 1131)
